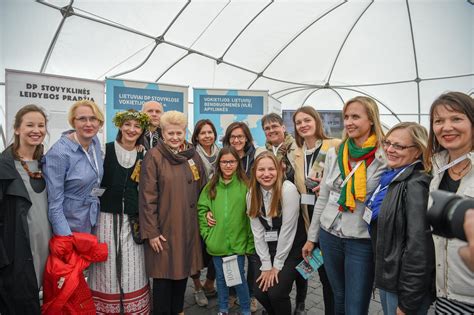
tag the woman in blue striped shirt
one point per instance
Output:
(73, 170)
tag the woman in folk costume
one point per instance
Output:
(351, 173)
(120, 285)
(312, 146)
(171, 179)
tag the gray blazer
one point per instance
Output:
(326, 210)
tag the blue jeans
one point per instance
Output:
(223, 290)
(350, 269)
(389, 303)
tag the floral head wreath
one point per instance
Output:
(121, 117)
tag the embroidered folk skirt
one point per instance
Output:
(126, 255)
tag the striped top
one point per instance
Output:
(70, 175)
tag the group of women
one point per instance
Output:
(167, 212)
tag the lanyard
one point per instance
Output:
(456, 161)
(151, 139)
(351, 173)
(96, 169)
(307, 167)
(380, 188)
(275, 149)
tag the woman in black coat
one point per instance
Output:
(403, 246)
(24, 226)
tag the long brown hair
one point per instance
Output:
(453, 101)
(218, 174)
(256, 196)
(318, 133)
(245, 129)
(31, 108)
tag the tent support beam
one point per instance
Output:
(66, 12)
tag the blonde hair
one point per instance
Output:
(419, 136)
(173, 117)
(93, 106)
(372, 112)
(256, 196)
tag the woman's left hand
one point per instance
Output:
(400, 312)
(267, 279)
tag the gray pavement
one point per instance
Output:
(314, 301)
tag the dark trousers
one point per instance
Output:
(276, 300)
(168, 296)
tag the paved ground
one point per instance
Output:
(314, 302)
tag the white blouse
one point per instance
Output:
(290, 212)
(125, 158)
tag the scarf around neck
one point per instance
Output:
(356, 186)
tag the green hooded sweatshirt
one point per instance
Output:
(232, 233)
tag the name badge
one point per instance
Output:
(271, 236)
(367, 215)
(308, 199)
(230, 267)
(97, 192)
(334, 196)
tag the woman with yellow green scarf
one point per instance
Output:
(351, 172)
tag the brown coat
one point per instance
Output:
(168, 206)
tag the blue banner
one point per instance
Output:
(123, 95)
(223, 107)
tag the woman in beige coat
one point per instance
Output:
(172, 177)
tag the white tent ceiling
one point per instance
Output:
(402, 53)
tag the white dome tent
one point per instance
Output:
(320, 53)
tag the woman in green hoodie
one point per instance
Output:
(230, 238)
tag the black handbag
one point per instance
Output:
(135, 229)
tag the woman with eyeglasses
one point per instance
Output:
(238, 136)
(400, 233)
(224, 196)
(351, 173)
(278, 229)
(24, 227)
(73, 170)
(171, 179)
(450, 150)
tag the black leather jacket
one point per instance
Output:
(403, 245)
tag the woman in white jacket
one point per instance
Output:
(450, 147)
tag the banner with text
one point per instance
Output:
(126, 94)
(223, 107)
(54, 93)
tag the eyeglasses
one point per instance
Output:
(239, 137)
(85, 119)
(397, 147)
(228, 162)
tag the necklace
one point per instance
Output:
(34, 175)
(461, 171)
